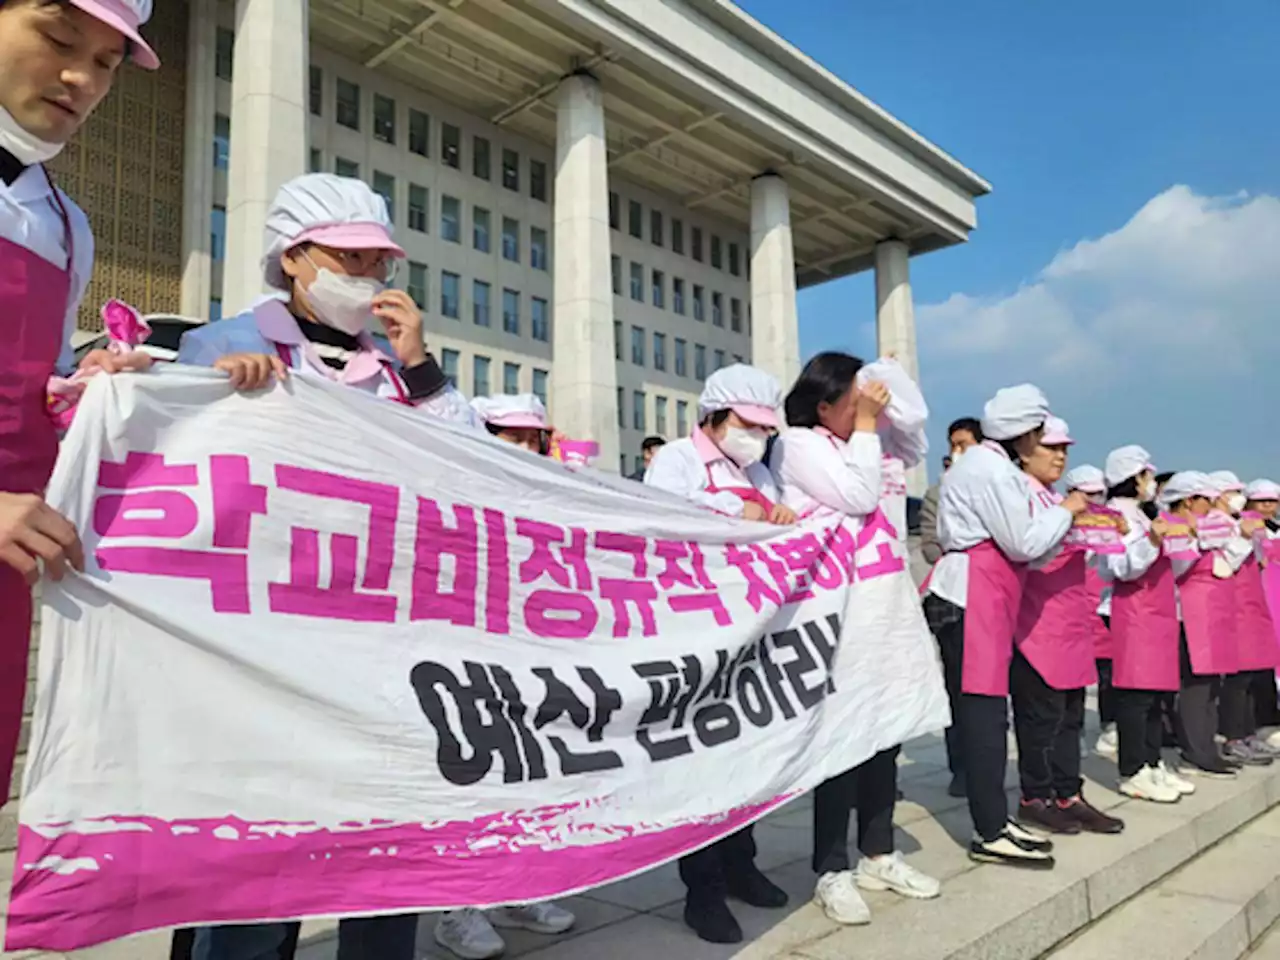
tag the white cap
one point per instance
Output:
(1085, 478)
(1056, 433)
(339, 212)
(1014, 411)
(906, 408)
(524, 411)
(1125, 463)
(750, 393)
(1226, 481)
(1262, 490)
(1188, 483)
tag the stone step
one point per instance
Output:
(1212, 908)
(1268, 947)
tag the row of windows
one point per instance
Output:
(735, 261)
(481, 303)
(481, 372)
(639, 414)
(680, 355)
(658, 295)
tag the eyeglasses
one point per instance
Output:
(375, 264)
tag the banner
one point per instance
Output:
(329, 657)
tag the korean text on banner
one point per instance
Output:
(330, 659)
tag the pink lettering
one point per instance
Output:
(227, 573)
(235, 500)
(625, 543)
(145, 470)
(497, 607)
(151, 513)
(886, 562)
(640, 592)
(561, 615)
(436, 540)
(573, 556)
(695, 602)
(759, 593)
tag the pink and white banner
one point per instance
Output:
(330, 659)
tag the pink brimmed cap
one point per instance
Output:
(1056, 433)
(750, 393)
(522, 412)
(126, 16)
(351, 236)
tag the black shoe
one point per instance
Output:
(1091, 819)
(1218, 769)
(755, 889)
(1011, 850)
(712, 921)
(1047, 815)
(957, 786)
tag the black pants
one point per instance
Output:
(359, 938)
(706, 872)
(1235, 709)
(1198, 712)
(1106, 692)
(1047, 724)
(871, 786)
(1262, 694)
(980, 725)
(378, 938)
(1140, 728)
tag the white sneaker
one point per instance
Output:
(1147, 784)
(1174, 779)
(537, 917)
(469, 935)
(837, 894)
(891, 872)
(1108, 744)
(1272, 736)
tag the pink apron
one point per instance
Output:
(1208, 616)
(33, 306)
(1144, 631)
(747, 494)
(1103, 648)
(1054, 628)
(1255, 631)
(993, 597)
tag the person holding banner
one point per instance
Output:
(721, 467)
(833, 461)
(990, 534)
(1053, 663)
(1263, 499)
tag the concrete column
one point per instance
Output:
(269, 132)
(585, 380)
(197, 164)
(775, 333)
(896, 327)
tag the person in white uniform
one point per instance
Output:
(720, 467)
(850, 426)
(990, 534)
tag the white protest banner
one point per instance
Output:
(331, 658)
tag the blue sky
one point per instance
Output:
(1128, 260)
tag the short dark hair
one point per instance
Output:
(971, 424)
(1125, 488)
(714, 420)
(825, 379)
(1165, 477)
(651, 443)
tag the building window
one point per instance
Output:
(510, 169)
(385, 185)
(511, 379)
(695, 244)
(215, 309)
(537, 248)
(481, 163)
(225, 57)
(541, 320)
(417, 288)
(480, 303)
(682, 417)
(615, 273)
(660, 416)
(717, 310)
(511, 311)
(716, 259)
(316, 164)
(221, 142)
(449, 365)
(480, 376)
(637, 346)
(480, 229)
(637, 410)
(735, 262)
(719, 359)
(316, 91)
(384, 119)
(735, 315)
(699, 304)
(635, 219)
(419, 200)
(540, 385)
(450, 287)
(699, 361)
(677, 295)
(348, 112)
(345, 168)
(622, 418)
(615, 210)
(677, 235)
(419, 133)
(617, 339)
(538, 180)
(660, 351)
(655, 227)
(451, 145)
(682, 359)
(658, 292)
(637, 282)
(218, 234)
(511, 239)
(450, 219)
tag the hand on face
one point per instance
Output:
(872, 399)
(403, 322)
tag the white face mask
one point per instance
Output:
(342, 302)
(744, 447)
(27, 148)
(1236, 502)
